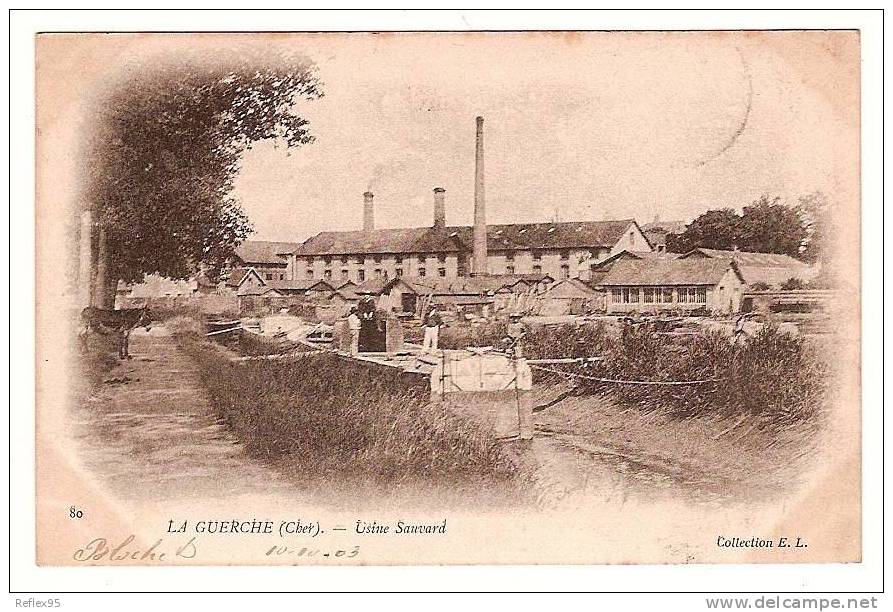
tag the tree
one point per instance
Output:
(815, 215)
(765, 226)
(166, 147)
(714, 229)
(770, 226)
(792, 283)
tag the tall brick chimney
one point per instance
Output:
(479, 261)
(439, 207)
(368, 212)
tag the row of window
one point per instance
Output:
(378, 272)
(658, 295)
(537, 255)
(398, 259)
(361, 273)
(692, 295)
(537, 269)
(441, 258)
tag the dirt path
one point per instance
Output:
(151, 432)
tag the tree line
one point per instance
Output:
(768, 225)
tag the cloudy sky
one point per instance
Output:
(578, 126)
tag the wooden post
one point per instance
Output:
(341, 335)
(393, 335)
(85, 263)
(523, 397)
(525, 415)
(100, 287)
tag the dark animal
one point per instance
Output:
(120, 322)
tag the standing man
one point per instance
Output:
(516, 332)
(368, 326)
(353, 327)
(432, 323)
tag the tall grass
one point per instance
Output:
(461, 335)
(770, 376)
(566, 341)
(541, 341)
(253, 345)
(773, 377)
(330, 415)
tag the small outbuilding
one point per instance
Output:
(661, 284)
(766, 270)
(240, 280)
(308, 288)
(567, 296)
(409, 296)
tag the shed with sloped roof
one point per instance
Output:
(660, 284)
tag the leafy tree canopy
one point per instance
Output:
(815, 211)
(715, 229)
(166, 147)
(769, 226)
(793, 283)
(766, 226)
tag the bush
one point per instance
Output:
(771, 376)
(334, 415)
(566, 341)
(541, 341)
(792, 284)
(253, 345)
(161, 309)
(775, 377)
(461, 335)
(186, 327)
(305, 311)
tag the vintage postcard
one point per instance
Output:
(424, 298)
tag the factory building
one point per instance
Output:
(559, 249)
(554, 249)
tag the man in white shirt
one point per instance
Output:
(432, 323)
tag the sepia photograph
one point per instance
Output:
(448, 298)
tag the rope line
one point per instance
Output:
(272, 356)
(628, 382)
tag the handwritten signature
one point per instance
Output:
(100, 549)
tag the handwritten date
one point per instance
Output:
(303, 551)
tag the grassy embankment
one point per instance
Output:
(331, 416)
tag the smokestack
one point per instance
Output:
(368, 212)
(479, 261)
(439, 207)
